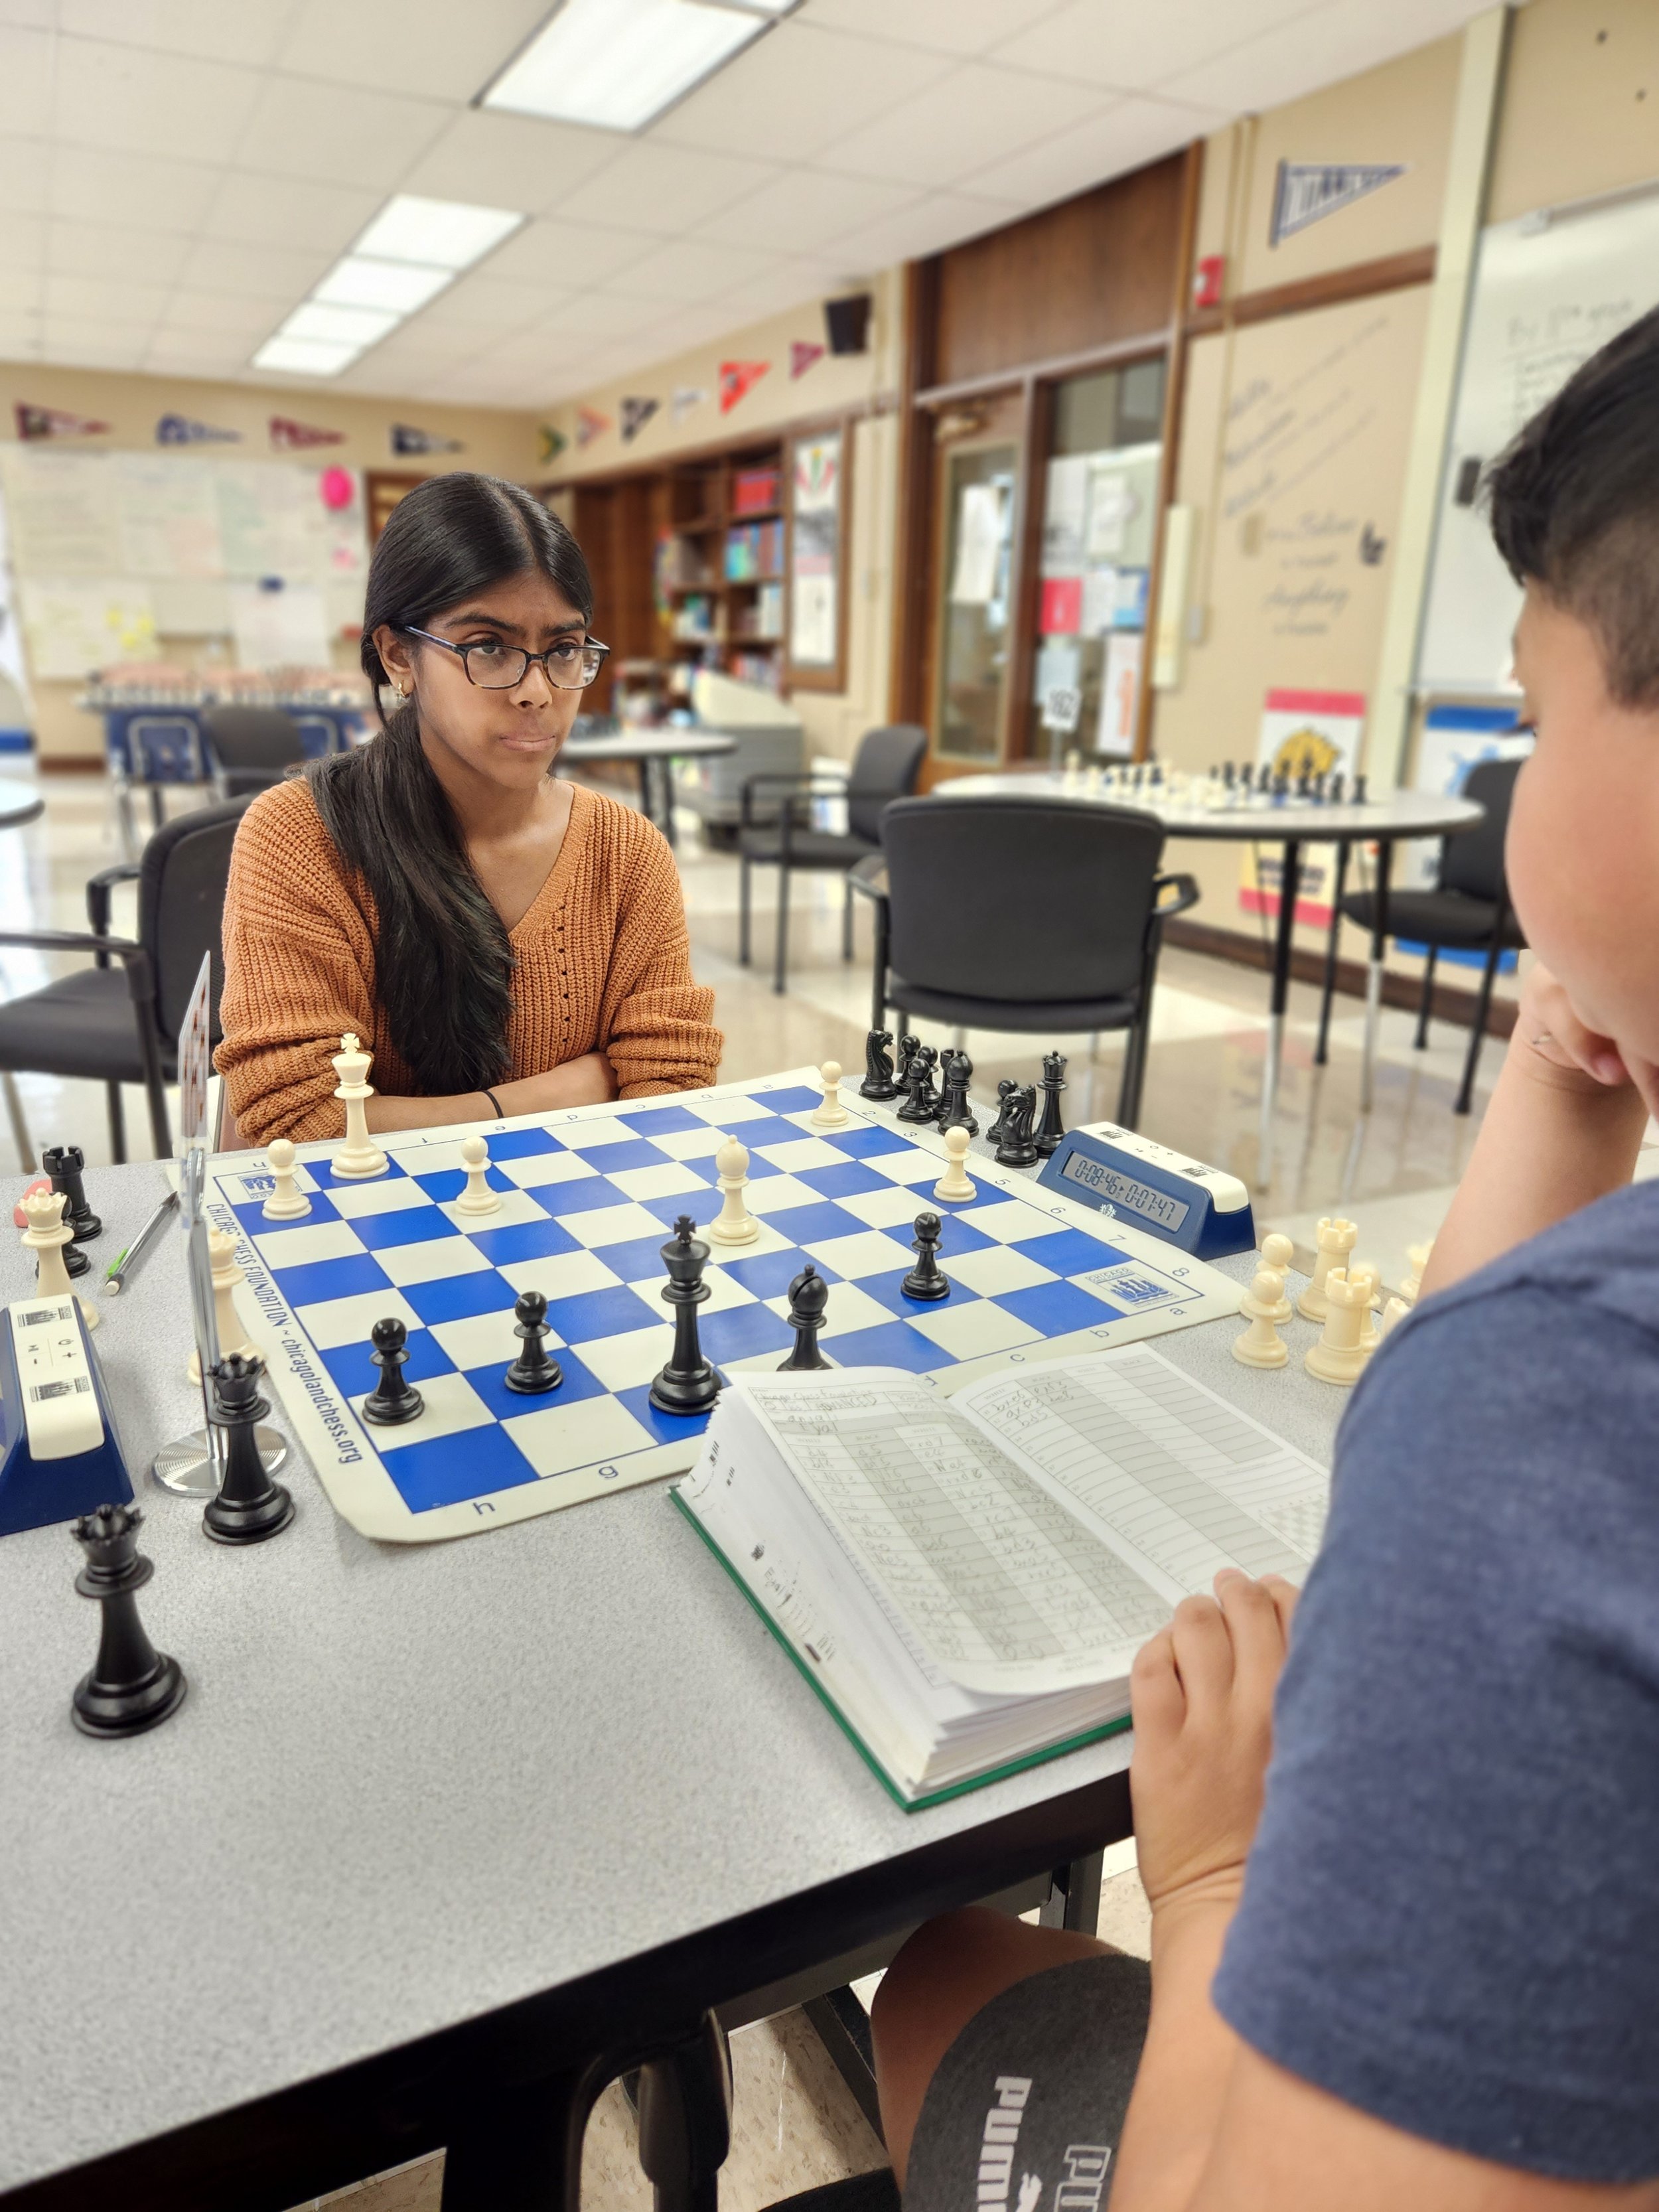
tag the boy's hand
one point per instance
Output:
(1201, 1693)
(1547, 1026)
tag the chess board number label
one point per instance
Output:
(1132, 1287)
(483, 1506)
(609, 1473)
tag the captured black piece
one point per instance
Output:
(922, 1104)
(954, 1111)
(1017, 1147)
(1005, 1090)
(1054, 1082)
(394, 1399)
(878, 1079)
(250, 1506)
(132, 1686)
(809, 1295)
(66, 1164)
(535, 1370)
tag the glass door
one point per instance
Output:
(976, 476)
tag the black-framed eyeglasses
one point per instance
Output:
(569, 665)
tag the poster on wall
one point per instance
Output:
(74, 627)
(1120, 693)
(816, 532)
(1315, 733)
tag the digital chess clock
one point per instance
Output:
(1203, 1211)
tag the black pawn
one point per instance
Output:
(535, 1370)
(909, 1046)
(922, 1104)
(66, 1164)
(925, 1279)
(1047, 1138)
(689, 1383)
(955, 1112)
(878, 1081)
(394, 1399)
(809, 1295)
(250, 1506)
(1006, 1091)
(1018, 1147)
(132, 1686)
(1360, 799)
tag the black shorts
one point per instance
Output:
(1024, 2110)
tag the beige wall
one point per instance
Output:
(1581, 104)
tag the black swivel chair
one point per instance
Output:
(251, 748)
(887, 765)
(1467, 910)
(1027, 915)
(119, 1021)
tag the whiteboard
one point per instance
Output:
(1548, 291)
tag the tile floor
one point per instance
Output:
(796, 2123)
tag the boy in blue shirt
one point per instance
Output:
(1437, 1985)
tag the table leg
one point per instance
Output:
(524, 2153)
(1321, 1050)
(1289, 881)
(1374, 972)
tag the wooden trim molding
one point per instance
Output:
(1307, 966)
(1362, 281)
(1139, 347)
(905, 698)
(1168, 459)
(771, 434)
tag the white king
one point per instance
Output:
(358, 1157)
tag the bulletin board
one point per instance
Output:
(819, 515)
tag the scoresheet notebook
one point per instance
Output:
(966, 1581)
(588, 1198)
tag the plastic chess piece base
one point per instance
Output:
(744, 1232)
(76, 1261)
(928, 1287)
(189, 1469)
(393, 1414)
(691, 1393)
(1341, 1368)
(535, 1381)
(1312, 1304)
(97, 1709)
(1250, 1353)
(229, 1520)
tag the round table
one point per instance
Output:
(1290, 824)
(19, 803)
(647, 748)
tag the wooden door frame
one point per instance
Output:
(934, 768)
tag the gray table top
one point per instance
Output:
(19, 803)
(409, 1784)
(649, 745)
(1397, 814)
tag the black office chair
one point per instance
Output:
(1016, 915)
(1467, 910)
(114, 1025)
(887, 765)
(251, 748)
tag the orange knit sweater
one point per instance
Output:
(602, 962)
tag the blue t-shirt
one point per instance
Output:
(1450, 1918)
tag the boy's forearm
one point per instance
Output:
(1182, 2081)
(1552, 1140)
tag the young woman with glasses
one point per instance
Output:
(503, 943)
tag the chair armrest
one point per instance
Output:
(98, 890)
(72, 940)
(829, 784)
(1185, 888)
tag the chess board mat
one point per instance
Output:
(588, 1198)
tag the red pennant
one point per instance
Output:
(802, 355)
(738, 377)
(52, 422)
(289, 437)
(590, 424)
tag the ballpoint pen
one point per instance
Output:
(124, 1262)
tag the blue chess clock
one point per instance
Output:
(1203, 1211)
(59, 1457)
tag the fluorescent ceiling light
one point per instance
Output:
(438, 234)
(353, 327)
(618, 63)
(305, 357)
(399, 286)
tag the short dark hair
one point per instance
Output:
(1574, 501)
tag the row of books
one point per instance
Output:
(754, 549)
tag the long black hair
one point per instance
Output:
(443, 963)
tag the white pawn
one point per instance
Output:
(1411, 1290)
(359, 1157)
(1277, 1253)
(956, 1184)
(1393, 1314)
(477, 1197)
(734, 1224)
(1261, 1345)
(1338, 1356)
(1337, 1238)
(45, 1235)
(287, 1201)
(1362, 1271)
(226, 1323)
(831, 1115)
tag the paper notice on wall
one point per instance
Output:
(285, 629)
(63, 516)
(1312, 733)
(1059, 682)
(169, 508)
(1120, 693)
(1062, 606)
(1111, 512)
(74, 628)
(1099, 601)
(1065, 501)
(979, 544)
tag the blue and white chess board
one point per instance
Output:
(588, 1198)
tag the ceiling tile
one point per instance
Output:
(603, 315)
(102, 249)
(20, 290)
(259, 272)
(20, 337)
(23, 242)
(25, 167)
(664, 189)
(508, 161)
(94, 341)
(192, 353)
(90, 184)
(1330, 42)
(806, 210)
(115, 300)
(30, 15)
(554, 257)
(787, 96)
(247, 317)
(484, 303)
(688, 269)
(1126, 135)
(120, 98)
(946, 27)
(425, 46)
(330, 134)
(940, 220)
(247, 33)
(975, 115)
(1125, 45)
(785, 286)
(25, 78)
(287, 211)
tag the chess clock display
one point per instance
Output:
(1205, 1211)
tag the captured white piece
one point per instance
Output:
(1261, 1345)
(226, 1325)
(956, 1184)
(831, 1114)
(1418, 1255)
(1338, 1356)
(287, 1201)
(359, 1156)
(1337, 1238)
(734, 1224)
(477, 1197)
(1277, 1253)
(45, 1235)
